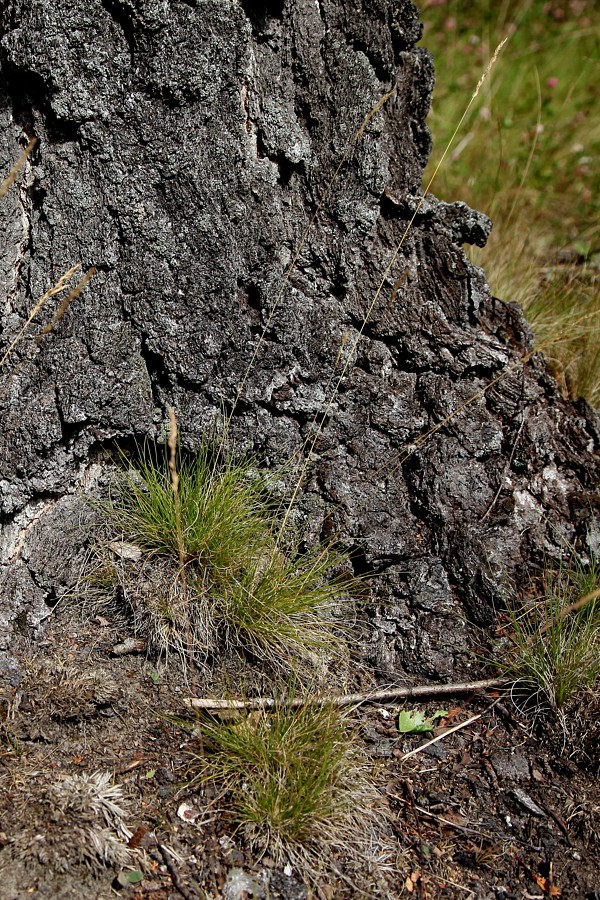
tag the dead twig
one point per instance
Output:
(383, 696)
(448, 822)
(444, 734)
(174, 875)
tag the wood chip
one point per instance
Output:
(129, 645)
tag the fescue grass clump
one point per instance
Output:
(556, 643)
(194, 549)
(220, 508)
(294, 782)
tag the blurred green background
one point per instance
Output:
(527, 155)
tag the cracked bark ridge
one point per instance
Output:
(182, 146)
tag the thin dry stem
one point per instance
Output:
(399, 460)
(532, 150)
(58, 287)
(354, 140)
(172, 439)
(172, 445)
(382, 282)
(66, 302)
(10, 178)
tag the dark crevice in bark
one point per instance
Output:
(155, 366)
(379, 67)
(259, 12)
(125, 22)
(31, 95)
(361, 567)
(70, 430)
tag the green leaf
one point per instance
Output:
(150, 773)
(413, 721)
(132, 877)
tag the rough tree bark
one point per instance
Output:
(183, 145)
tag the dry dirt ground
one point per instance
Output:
(490, 811)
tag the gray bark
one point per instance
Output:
(183, 144)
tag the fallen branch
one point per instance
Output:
(383, 696)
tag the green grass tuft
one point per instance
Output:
(202, 566)
(293, 779)
(275, 603)
(556, 650)
(220, 514)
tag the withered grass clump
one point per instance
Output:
(200, 566)
(64, 692)
(73, 820)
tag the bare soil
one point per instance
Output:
(493, 810)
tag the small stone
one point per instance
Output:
(125, 551)
(129, 645)
(187, 812)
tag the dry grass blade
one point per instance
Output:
(60, 285)
(172, 445)
(447, 733)
(11, 177)
(398, 461)
(66, 302)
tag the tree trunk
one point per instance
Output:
(182, 147)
